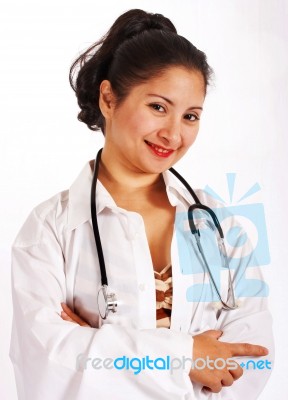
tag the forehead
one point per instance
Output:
(173, 81)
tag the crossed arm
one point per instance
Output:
(204, 345)
(45, 347)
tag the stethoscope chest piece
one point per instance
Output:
(106, 302)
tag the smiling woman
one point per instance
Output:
(144, 86)
(138, 47)
(154, 126)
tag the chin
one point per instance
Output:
(155, 170)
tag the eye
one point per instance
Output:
(157, 107)
(192, 117)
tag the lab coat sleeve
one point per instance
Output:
(59, 360)
(251, 323)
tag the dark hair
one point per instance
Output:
(138, 47)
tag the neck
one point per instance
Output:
(117, 176)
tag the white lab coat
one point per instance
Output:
(55, 260)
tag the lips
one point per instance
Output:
(158, 150)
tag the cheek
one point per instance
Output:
(138, 124)
(190, 136)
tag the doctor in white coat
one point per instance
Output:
(144, 86)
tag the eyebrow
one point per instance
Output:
(171, 102)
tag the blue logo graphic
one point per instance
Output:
(256, 364)
(246, 242)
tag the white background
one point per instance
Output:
(43, 146)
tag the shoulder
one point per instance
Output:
(46, 215)
(207, 199)
(69, 208)
(174, 185)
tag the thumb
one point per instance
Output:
(213, 333)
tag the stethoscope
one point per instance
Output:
(107, 301)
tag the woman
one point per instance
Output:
(144, 86)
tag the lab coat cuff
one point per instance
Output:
(184, 349)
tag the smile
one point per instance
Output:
(160, 151)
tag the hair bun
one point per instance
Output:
(137, 47)
(136, 21)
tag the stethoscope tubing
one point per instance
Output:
(104, 280)
(112, 303)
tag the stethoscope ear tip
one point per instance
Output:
(217, 305)
(239, 303)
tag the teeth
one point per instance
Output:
(159, 149)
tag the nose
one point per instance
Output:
(170, 134)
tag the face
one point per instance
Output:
(156, 123)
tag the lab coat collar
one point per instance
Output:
(176, 192)
(79, 210)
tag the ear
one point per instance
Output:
(106, 99)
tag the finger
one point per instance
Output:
(73, 317)
(247, 349)
(237, 372)
(66, 308)
(213, 333)
(214, 388)
(66, 317)
(227, 380)
(69, 312)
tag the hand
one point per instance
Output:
(207, 345)
(68, 315)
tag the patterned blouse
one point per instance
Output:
(163, 283)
